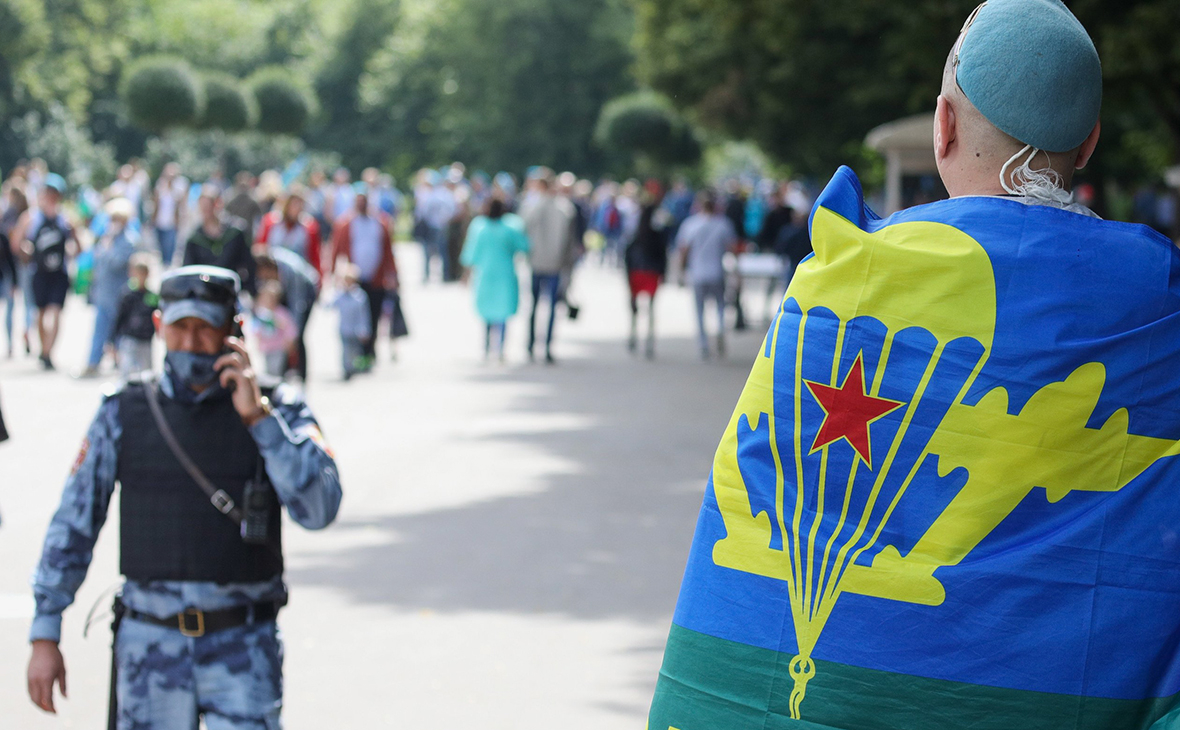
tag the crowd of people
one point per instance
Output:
(287, 239)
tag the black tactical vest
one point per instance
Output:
(169, 530)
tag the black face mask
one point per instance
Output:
(192, 369)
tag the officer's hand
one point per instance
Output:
(46, 667)
(234, 367)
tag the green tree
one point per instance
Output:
(806, 80)
(284, 105)
(161, 92)
(1141, 70)
(502, 85)
(344, 124)
(227, 106)
(646, 127)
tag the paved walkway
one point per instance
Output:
(512, 537)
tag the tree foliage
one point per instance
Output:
(284, 105)
(1141, 70)
(808, 80)
(500, 85)
(344, 125)
(162, 92)
(647, 127)
(227, 106)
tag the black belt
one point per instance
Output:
(194, 622)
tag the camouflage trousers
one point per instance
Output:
(231, 678)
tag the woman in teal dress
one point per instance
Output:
(493, 241)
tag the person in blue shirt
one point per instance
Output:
(493, 242)
(198, 634)
(112, 252)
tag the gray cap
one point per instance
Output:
(209, 293)
(1031, 69)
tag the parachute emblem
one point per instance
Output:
(857, 358)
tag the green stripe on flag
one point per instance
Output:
(708, 683)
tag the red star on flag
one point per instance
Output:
(848, 411)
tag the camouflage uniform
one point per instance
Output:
(232, 677)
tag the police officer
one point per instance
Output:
(198, 636)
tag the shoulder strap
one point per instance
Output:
(217, 497)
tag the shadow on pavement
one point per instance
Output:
(607, 541)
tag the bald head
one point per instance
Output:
(971, 152)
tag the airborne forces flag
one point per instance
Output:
(948, 496)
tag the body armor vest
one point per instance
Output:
(169, 530)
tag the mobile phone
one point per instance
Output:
(235, 330)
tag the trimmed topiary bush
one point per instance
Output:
(645, 124)
(228, 106)
(284, 105)
(161, 92)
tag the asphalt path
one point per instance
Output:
(512, 537)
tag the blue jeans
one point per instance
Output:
(25, 279)
(499, 330)
(548, 285)
(8, 292)
(434, 243)
(166, 238)
(234, 678)
(702, 292)
(104, 322)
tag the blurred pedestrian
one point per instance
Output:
(133, 327)
(647, 261)
(301, 288)
(272, 328)
(47, 242)
(112, 252)
(291, 228)
(3, 428)
(318, 193)
(15, 204)
(356, 321)
(168, 206)
(220, 240)
(340, 194)
(242, 204)
(549, 223)
(703, 241)
(490, 250)
(365, 239)
(434, 207)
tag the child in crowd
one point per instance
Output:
(272, 327)
(355, 326)
(133, 328)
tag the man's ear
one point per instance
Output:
(1087, 148)
(944, 127)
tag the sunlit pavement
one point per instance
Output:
(511, 540)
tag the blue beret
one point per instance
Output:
(1031, 69)
(56, 183)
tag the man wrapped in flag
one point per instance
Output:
(949, 495)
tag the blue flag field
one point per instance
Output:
(948, 496)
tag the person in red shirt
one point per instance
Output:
(365, 238)
(291, 228)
